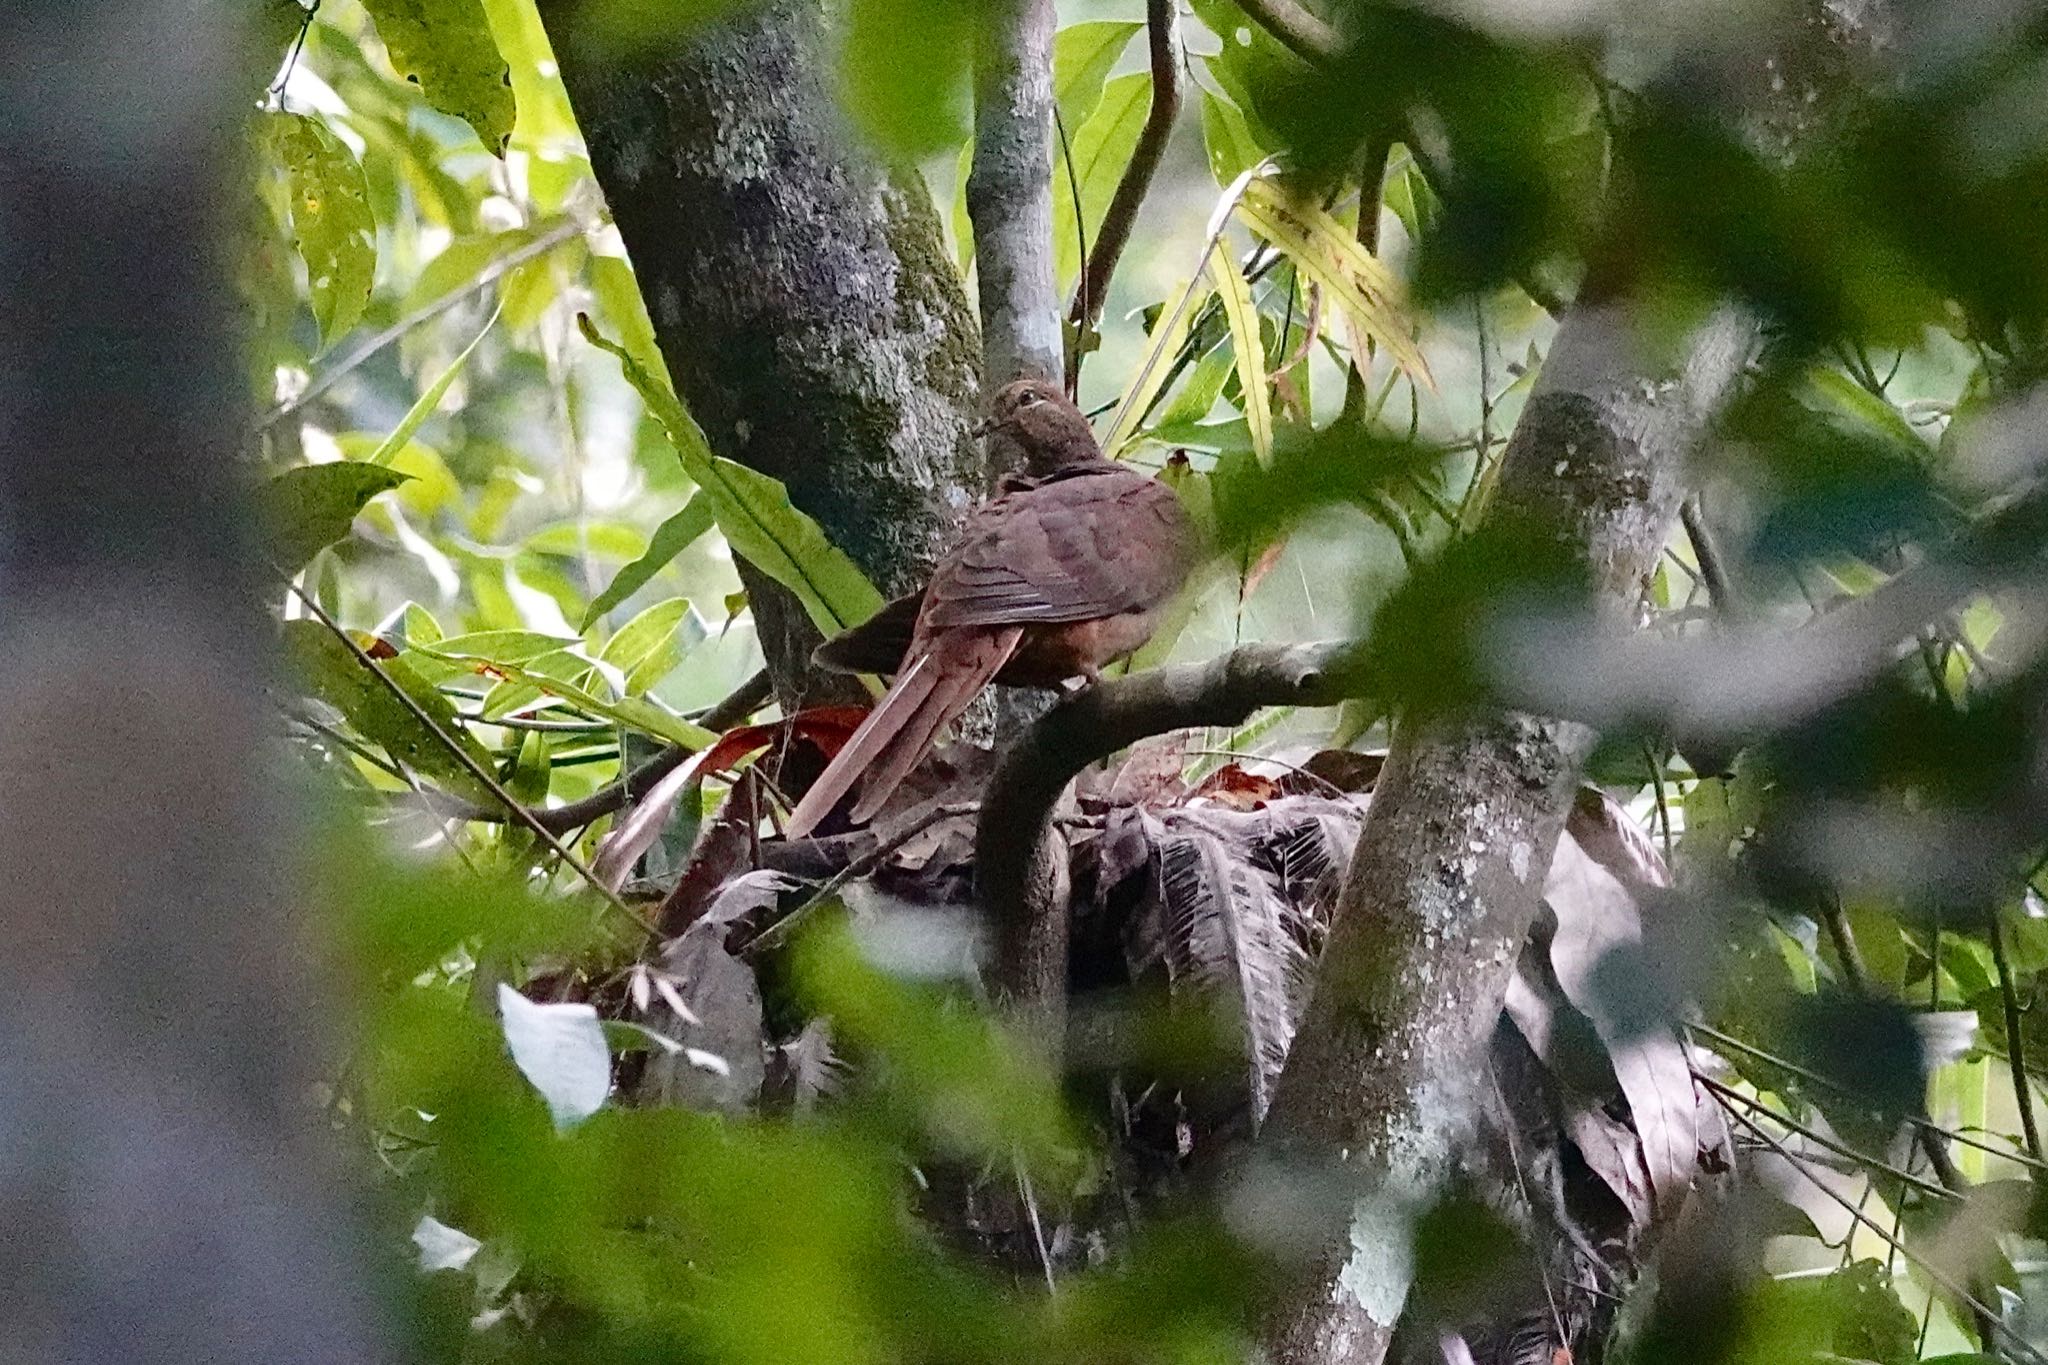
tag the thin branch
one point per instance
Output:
(749, 697)
(1706, 552)
(520, 814)
(1298, 29)
(1990, 1322)
(511, 260)
(1835, 1145)
(778, 933)
(1096, 723)
(2015, 1045)
(1118, 220)
(1844, 1088)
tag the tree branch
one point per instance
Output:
(1009, 192)
(1299, 29)
(1163, 45)
(1031, 935)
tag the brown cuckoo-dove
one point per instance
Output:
(1067, 570)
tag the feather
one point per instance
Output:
(964, 662)
(895, 709)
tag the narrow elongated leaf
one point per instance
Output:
(429, 399)
(561, 1050)
(754, 511)
(1250, 347)
(671, 538)
(1362, 287)
(446, 48)
(1101, 149)
(1165, 340)
(332, 226)
(636, 713)
(304, 510)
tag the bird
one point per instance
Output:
(1067, 570)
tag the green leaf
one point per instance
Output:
(754, 511)
(1102, 147)
(1228, 139)
(309, 508)
(1162, 342)
(636, 713)
(903, 72)
(1082, 55)
(428, 400)
(332, 672)
(445, 47)
(1249, 345)
(671, 538)
(332, 226)
(645, 634)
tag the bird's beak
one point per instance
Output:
(983, 427)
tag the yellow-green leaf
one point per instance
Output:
(332, 226)
(1082, 55)
(1366, 291)
(429, 399)
(331, 671)
(671, 538)
(754, 511)
(446, 48)
(1227, 138)
(1249, 345)
(1102, 147)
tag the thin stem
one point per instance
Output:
(1834, 1145)
(778, 933)
(2015, 1044)
(511, 260)
(520, 814)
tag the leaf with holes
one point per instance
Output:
(332, 226)
(446, 48)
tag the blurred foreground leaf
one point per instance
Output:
(445, 47)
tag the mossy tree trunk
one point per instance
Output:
(800, 290)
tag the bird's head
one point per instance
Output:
(1039, 427)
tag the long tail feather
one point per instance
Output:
(898, 706)
(965, 662)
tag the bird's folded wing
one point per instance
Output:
(1078, 549)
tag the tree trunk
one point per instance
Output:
(800, 292)
(1386, 1069)
(161, 1172)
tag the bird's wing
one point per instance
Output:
(1072, 549)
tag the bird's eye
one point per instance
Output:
(1027, 398)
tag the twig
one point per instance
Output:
(1844, 1088)
(1122, 215)
(1839, 1148)
(778, 933)
(520, 814)
(2015, 1046)
(511, 260)
(1990, 1323)
(749, 697)
(1706, 552)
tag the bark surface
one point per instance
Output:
(799, 290)
(1009, 192)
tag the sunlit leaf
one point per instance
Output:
(645, 635)
(308, 508)
(1228, 139)
(1249, 345)
(332, 225)
(1329, 253)
(446, 48)
(1102, 147)
(1082, 55)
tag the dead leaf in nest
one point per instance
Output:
(724, 846)
(1234, 788)
(724, 1018)
(1149, 775)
